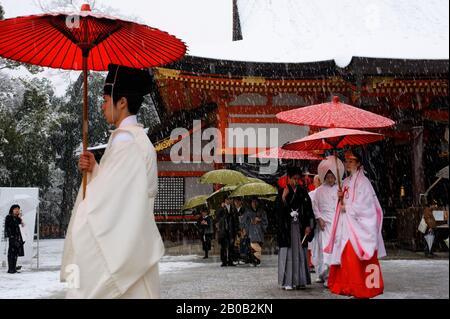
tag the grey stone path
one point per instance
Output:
(424, 278)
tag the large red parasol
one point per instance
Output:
(280, 153)
(334, 114)
(62, 40)
(86, 41)
(333, 138)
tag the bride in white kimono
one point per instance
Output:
(113, 245)
(324, 207)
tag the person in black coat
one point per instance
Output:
(205, 226)
(295, 224)
(294, 200)
(12, 232)
(227, 223)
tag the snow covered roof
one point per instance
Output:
(289, 31)
(306, 31)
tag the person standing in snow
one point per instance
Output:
(13, 233)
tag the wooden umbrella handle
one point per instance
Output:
(340, 200)
(337, 171)
(85, 117)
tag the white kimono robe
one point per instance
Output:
(361, 223)
(112, 239)
(324, 206)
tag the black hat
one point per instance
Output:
(291, 171)
(122, 80)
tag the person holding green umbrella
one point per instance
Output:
(254, 222)
(227, 223)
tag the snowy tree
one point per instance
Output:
(68, 139)
(28, 129)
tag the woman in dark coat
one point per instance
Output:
(12, 232)
(295, 219)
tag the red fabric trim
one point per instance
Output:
(349, 278)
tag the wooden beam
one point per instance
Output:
(181, 173)
(252, 120)
(258, 109)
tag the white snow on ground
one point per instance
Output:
(33, 283)
(29, 284)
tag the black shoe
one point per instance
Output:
(12, 272)
(18, 267)
(206, 257)
(256, 262)
(223, 265)
(231, 265)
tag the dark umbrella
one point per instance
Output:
(86, 41)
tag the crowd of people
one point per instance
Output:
(327, 224)
(240, 231)
(341, 224)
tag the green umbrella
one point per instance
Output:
(254, 180)
(224, 177)
(194, 202)
(215, 199)
(254, 189)
(269, 198)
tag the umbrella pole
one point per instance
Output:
(337, 170)
(85, 116)
(38, 236)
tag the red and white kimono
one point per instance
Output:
(356, 242)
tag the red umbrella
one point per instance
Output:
(278, 152)
(334, 114)
(63, 40)
(333, 138)
(86, 41)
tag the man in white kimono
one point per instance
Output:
(113, 245)
(355, 241)
(324, 204)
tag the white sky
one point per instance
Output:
(208, 23)
(196, 22)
